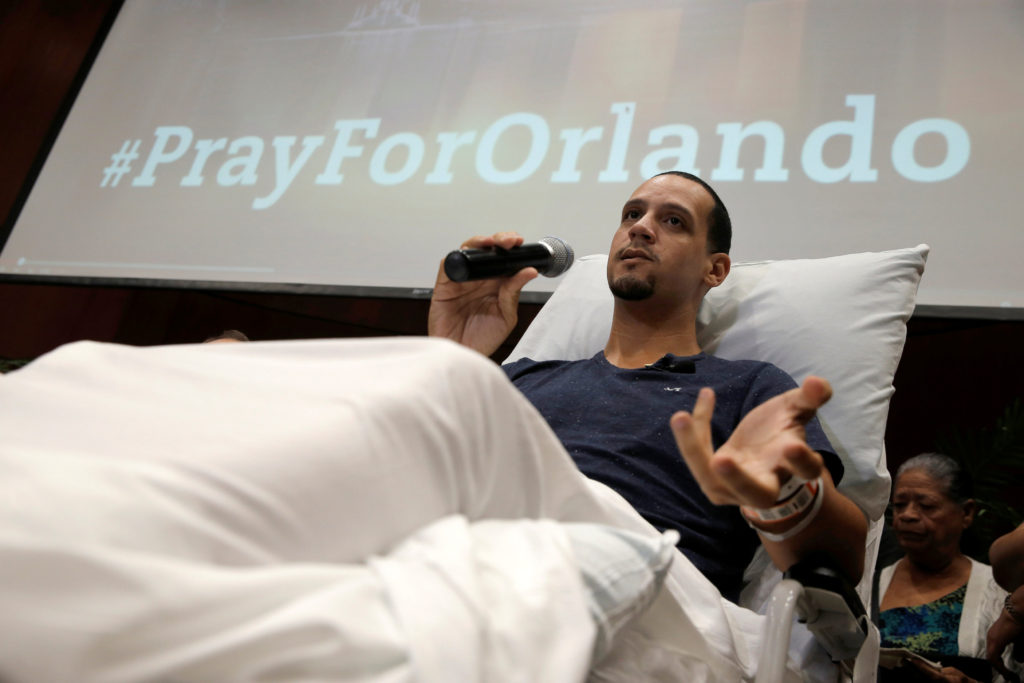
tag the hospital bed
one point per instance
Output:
(392, 509)
(843, 318)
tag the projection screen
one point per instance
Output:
(347, 146)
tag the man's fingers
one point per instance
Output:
(478, 242)
(744, 485)
(692, 432)
(519, 280)
(805, 462)
(505, 240)
(684, 429)
(815, 392)
(692, 429)
(760, 487)
(509, 294)
(805, 400)
(704, 407)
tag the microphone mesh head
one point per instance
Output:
(561, 256)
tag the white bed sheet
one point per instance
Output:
(312, 510)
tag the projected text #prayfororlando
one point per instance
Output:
(399, 157)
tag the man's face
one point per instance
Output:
(661, 244)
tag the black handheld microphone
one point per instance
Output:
(551, 257)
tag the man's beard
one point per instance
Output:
(631, 288)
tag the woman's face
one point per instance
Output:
(925, 519)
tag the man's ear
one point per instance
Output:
(720, 265)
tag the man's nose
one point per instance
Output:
(641, 229)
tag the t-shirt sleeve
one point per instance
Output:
(772, 381)
(515, 368)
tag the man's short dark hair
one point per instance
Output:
(719, 223)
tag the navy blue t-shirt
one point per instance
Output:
(614, 422)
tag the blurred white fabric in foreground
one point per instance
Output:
(312, 510)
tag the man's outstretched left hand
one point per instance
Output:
(766, 448)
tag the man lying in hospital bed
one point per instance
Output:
(612, 411)
(363, 510)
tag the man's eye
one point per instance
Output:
(674, 220)
(631, 214)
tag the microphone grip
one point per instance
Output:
(480, 264)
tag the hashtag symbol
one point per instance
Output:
(120, 163)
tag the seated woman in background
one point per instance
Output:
(936, 601)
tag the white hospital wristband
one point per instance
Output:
(797, 528)
(791, 507)
(791, 486)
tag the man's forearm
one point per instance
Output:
(837, 532)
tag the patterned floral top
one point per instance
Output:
(926, 629)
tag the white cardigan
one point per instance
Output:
(982, 604)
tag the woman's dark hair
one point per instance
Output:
(942, 468)
(719, 223)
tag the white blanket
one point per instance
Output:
(312, 511)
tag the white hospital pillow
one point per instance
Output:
(843, 318)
